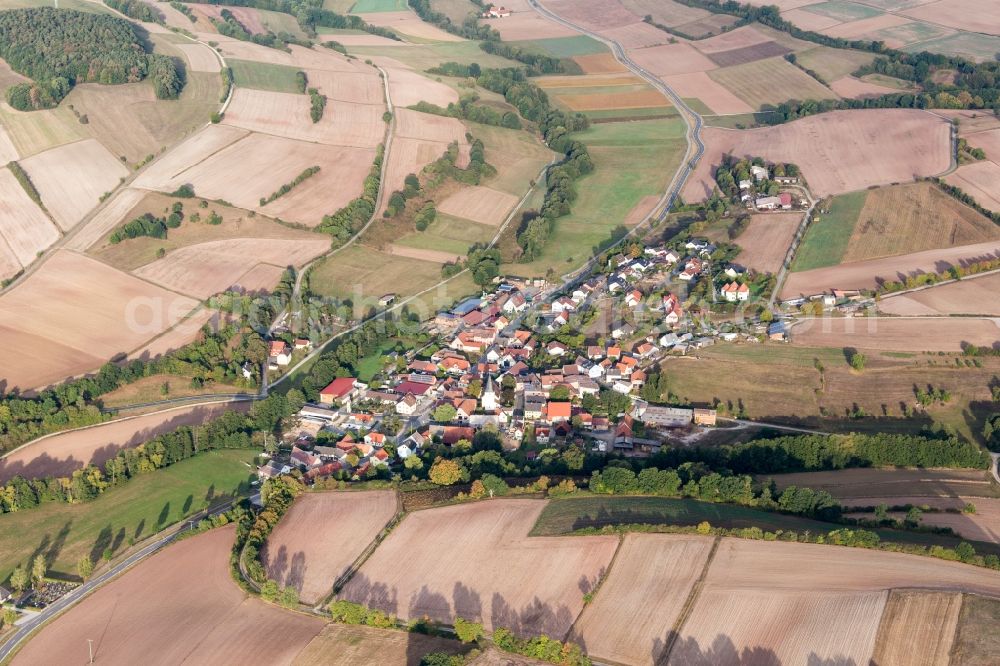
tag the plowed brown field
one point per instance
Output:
(478, 562)
(765, 242)
(901, 335)
(181, 606)
(969, 296)
(917, 628)
(322, 535)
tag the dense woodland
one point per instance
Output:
(136, 9)
(58, 48)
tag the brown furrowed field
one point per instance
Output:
(914, 217)
(407, 87)
(636, 35)
(209, 268)
(180, 605)
(838, 152)
(26, 230)
(479, 204)
(481, 565)
(976, 644)
(797, 603)
(765, 242)
(770, 81)
(680, 58)
(983, 525)
(872, 272)
(765, 626)
(350, 645)
(55, 326)
(917, 628)
(287, 115)
(969, 296)
(599, 63)
(359, 87)
(257, 166)
(903, 335)
(716, 97)
(980, 181)
(72, 178)
(322, 535)
(62, 453)
(667, 566)
(596, 15)
(201, 146)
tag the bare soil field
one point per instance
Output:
(983, 525)
(637, 35)
(679, 58)
(789, 626)
(479, 204)
(201, 146)
(870, 273)
(209, 268)
(849, 86)
(287, 115)
(182, 333)
(748, 54)
(917, 628)
(981, 181)
(9, 265)
(257, 166)
(321, 536)
(98, 313)
(350, 645)
(715, 96)
(482, 565)
(967, 15)
(914, 217)
(902, 335)
(595, 15)
(423, 254)
(743, 37)
(667, 566)
(526, 24)
(62, 453)
(599, 63)
(8, 152)
(666, 12)
(72, 178)
(106, 219)
(416, 125)
(410, 25)
(969, 296)
(408, 87)
(359, 88)
(838, 152)
(789, 597)
(870, 486)
(199, 615)
(988, 140)
(200, 57)
(765, 242)
(25, 229)
(626, 99)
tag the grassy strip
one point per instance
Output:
(288, 187)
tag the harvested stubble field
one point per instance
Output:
(679, 58)
(983, 525)
(199, 615)
(72, 178)
(917, 628)
(162, 172)
(914, 217)
(424, 254)
(765, 241)
(781, 383)
(838, 152)
(526, 24)
(236, 223)
(981, 181)
(482, 565)
(699, 85)
(62, 453)
(348, 645)
(976, 643)
(321, 536)
(748, 54)
(968, 296)
(636, 35)
(870, 273)
(770, 82)
(479, 204)
(26, 230)
(903, 335)
(7, 150)
(32, 132)
(595, 15)
(407, 87)
(666, 12)
(106, 219)
(200, 58)
(56, 327)
(599, 63)
(967, 15)
(667, 566)
(849, 86)
(209, 268)
(144, 506)
(287, 115)
(409, 24)
(793, 602)
(183, 333)
(359, 88)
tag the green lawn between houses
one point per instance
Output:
(144, 506)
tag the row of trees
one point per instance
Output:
(288, 187)
(59, 48)
(467, 109)
(228, 431)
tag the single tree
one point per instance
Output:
(19, 579)
(38, 570)
(445, 472)
(85, 567)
